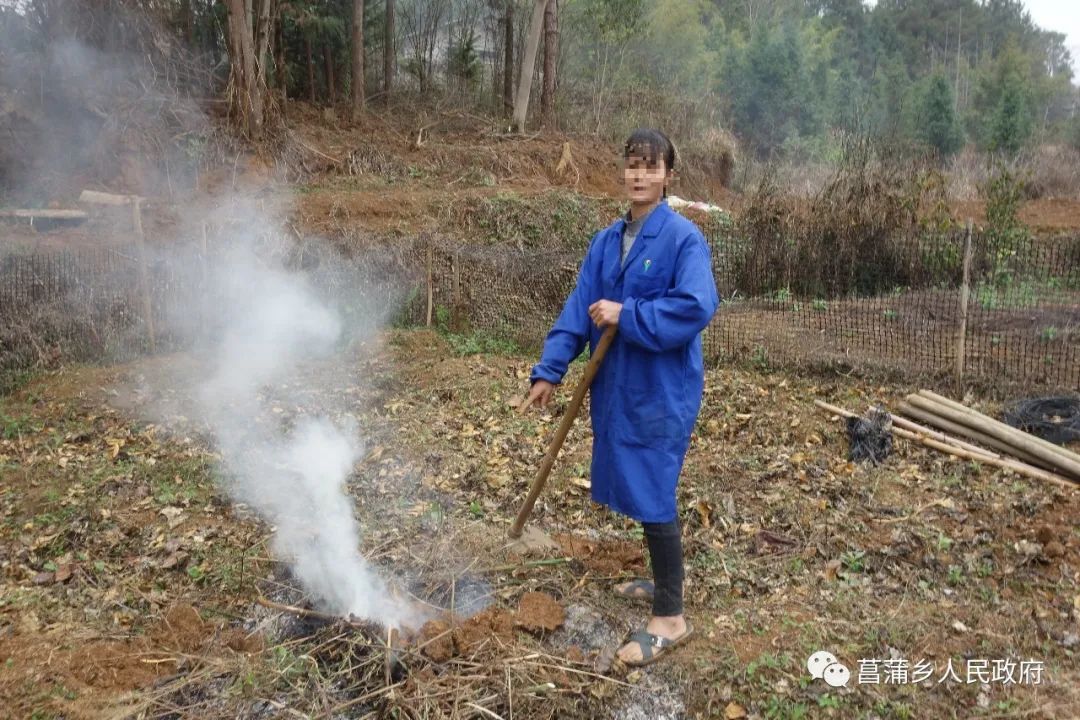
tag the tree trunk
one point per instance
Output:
(248, 90)
(389, 53)
(328, 62)
(508, 57)
(187, 13)
(281, 73)
(528, 63)
(551, 53)
(310, 69)
(263, 32)
(262, 38)
(357, 59)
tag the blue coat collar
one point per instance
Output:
(654, 223)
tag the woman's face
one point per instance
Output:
(644, 179)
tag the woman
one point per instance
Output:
(650, 274)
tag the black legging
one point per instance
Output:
(665, 554)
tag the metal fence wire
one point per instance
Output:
(889, 304)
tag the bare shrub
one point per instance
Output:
(853, 237)
(1048, 171)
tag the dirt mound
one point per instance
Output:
(119, 666)
(182, 629)
(607, 557)
(481, 629)
(435, 641)
(538, 611)
(443, 638)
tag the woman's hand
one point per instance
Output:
(539, 394)
(605, 313)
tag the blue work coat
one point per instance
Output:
(646, 396)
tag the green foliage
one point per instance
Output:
(475, 343)
(1012, 123)
(1003, 104)
(853, 560)
(464, 62)
(612, 21)
(939, 127)
(1073, 133)
(14, 380)
(12, 427)
(481, 344)
(760, 358)
(1007, 236)
(769, 83)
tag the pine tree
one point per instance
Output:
(940, 128)
(1012, 124)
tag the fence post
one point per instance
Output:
(965, 292)
(205, 281)
(144, 283)
(430, 281)
(455, 291)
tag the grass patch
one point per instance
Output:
(11, 381)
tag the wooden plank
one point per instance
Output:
(94, 197)
(45, 214)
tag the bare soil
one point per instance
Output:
(538, 611)
(789, 548)
(1045, 215)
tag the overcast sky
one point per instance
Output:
(1061, 16)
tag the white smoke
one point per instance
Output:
(265, 324)
(272, 326)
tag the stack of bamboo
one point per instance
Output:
(991, 442)
(952, 417)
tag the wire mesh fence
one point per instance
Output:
(891, 304)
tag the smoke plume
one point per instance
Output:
(272, 326)
(258, 327)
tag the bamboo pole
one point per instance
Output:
(965, 293)
(903, 422)
(564, 427)
(1009, 435)
(969, 433)
(959, 407)
(1014, 465)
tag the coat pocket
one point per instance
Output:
(649, 422)
(647, 282)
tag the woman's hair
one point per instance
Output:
(651, 145)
